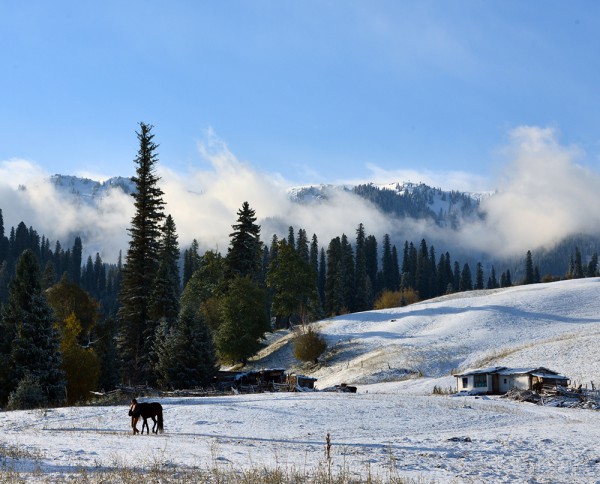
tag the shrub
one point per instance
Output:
(309, 345)
(28, 394)
(396, 299)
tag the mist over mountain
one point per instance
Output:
(413, 210)
(541, 199)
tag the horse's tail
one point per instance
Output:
(159, 419)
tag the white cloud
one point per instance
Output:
(544, 196)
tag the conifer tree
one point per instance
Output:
(321, 282)
(29, 343)
(313, 259)
(456, 277)
(529, 276)
(492, 281)
(387, 264)
(76, 258)
(191, 262)
(372, 266)
(479, 276)
(347, 275)
(186, 356)
(141, 262)
(363, 287)
(466, 280)
(592, 269)
(244, 320)
(164, 301)
(578, 266)
(334, 295)
(293, 281)
(302, 245)
(244, 252)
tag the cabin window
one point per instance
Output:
(465, 382)
(505, 381)
(480, 381)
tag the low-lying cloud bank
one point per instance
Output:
(543, 195)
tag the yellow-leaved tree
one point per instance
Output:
(81, 365)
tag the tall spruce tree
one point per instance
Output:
(334, 296)
(164, 301)
(363, 287)
(479, 276)
(529, 275)
(244, 252)
(387, 264)
(141, 263)
(29, 342)
(191, 262)
(372, 266)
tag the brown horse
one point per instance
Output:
(145, 411)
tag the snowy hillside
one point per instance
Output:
(388, 429)
(553, 325)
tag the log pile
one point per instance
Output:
(557, 397)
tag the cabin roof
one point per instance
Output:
(538, 371)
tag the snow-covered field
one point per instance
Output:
(390, 427)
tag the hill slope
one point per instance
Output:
(555, 325)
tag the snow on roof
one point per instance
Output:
(538, 371)
(491, 369)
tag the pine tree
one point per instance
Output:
(334, 295)
(322, 278)
(466, 281)
(387, 264)
(141, 263)
(529, 276)
(492, 281)
(244, 320)
(578, 266)
(164, 301)
(313, 260)
(363, 287)
(244, 252)
(592, 269)
(186, 353)
(479, 276)
(208, 282)
(347, 275)
(372, 266)
(302, 245)
(291, 240)
(422, 277)
(191, 262)
(76, 258)
(293, 281)
(29, 344)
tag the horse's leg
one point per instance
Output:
(146, 425)
(154, 430)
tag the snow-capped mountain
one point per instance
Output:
(403, 199)
(90, 191)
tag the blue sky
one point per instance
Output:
(314, 91)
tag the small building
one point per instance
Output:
(501, 379)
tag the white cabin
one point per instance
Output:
(500, 379)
